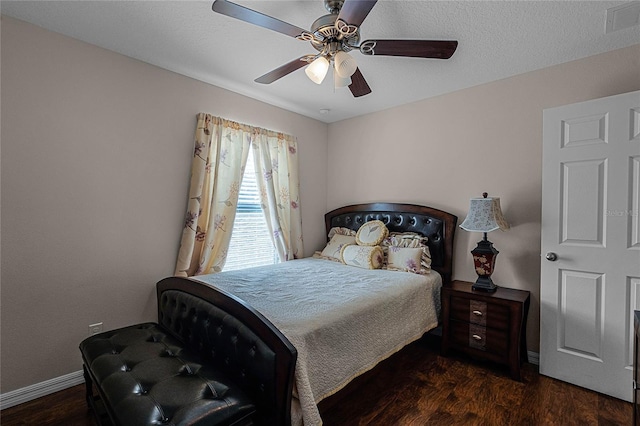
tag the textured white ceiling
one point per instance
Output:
(497, 39)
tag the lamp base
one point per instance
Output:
(484, 260)
(484, 284)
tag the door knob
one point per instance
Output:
(551, 256)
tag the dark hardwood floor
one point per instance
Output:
(414, 387)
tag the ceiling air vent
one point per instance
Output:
(623, 16)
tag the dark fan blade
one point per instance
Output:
(353, 12)
(251, 16)
(359, 86)
(438, 49)
(285, 69)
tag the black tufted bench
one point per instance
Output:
(210, 360)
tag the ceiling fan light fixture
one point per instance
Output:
(345, 64)
(339, 81)
(317, 70)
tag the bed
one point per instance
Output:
(342, 319)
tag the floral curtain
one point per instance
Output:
(276, 163)
(219, 156)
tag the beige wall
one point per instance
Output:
(445, 150)
(96, 151)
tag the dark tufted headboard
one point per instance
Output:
(439, 226)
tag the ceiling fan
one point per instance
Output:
(334, 35)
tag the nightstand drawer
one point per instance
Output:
(464, 334)
(480, 312)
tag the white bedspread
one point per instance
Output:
(342, 320)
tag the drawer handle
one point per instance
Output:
(475, 336)
(478, 313)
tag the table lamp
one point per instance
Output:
(484, 216)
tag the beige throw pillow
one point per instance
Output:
(405, 259)
(371, 233)
(336, 244)
(368, 257)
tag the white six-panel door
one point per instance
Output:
(590, 274)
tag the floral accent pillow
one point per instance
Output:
(371, 233)
(409, 240)
(405, 259)
(368, 257)
(336, 244)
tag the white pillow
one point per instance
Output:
(334, 246)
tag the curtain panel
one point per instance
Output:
(220, 154)
(276, 162)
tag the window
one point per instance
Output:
(250, 241)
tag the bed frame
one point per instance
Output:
(439, 226)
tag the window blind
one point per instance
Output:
(250, 240)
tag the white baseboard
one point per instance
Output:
(534, 357)
(37, 390)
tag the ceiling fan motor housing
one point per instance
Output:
(333, 6)
(328, 37)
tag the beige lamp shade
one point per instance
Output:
(484, 215)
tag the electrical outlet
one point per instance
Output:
(95, 328)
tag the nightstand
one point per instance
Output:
(489, 326)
